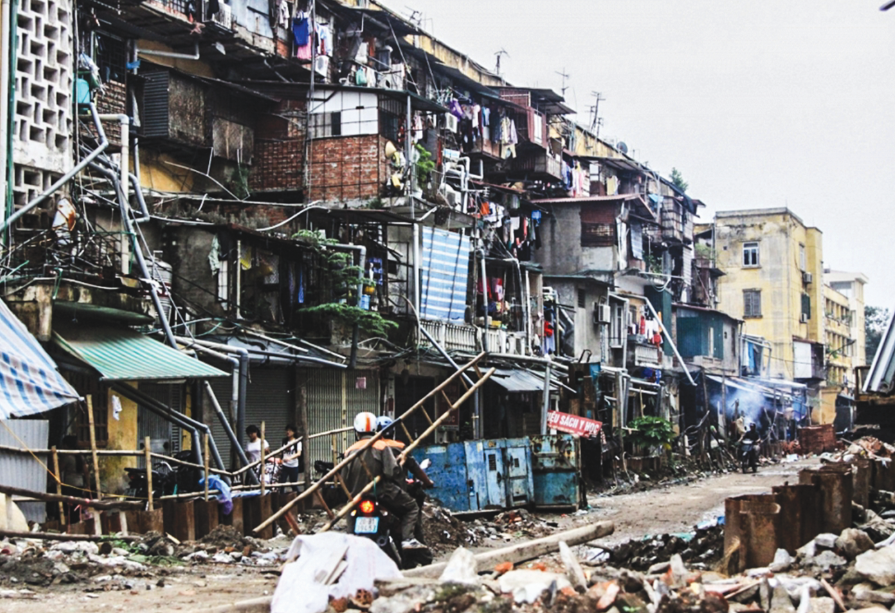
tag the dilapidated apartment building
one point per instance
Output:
(325, 208)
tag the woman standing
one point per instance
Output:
(292, 466)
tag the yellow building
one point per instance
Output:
(851, 285)
(839, 352)
(773, 265)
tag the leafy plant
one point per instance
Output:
(678, 179)
(651, 432)
(704, 251)
(339, 283)
(424, 165)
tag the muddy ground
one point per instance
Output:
(195, 586)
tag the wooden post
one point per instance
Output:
(205, 457)
(332, 448)
(261, 466)
(147, 453)
(93, 445)
(62, 518)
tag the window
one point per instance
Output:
(223, 283)
(803, 262)
(582, 299)
(618, 326)
(752, 303)
(806, 306)
(597, 234)
(750, 255)
(324, 125)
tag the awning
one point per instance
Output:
(517, 381)
(120, 354)
(29, 381)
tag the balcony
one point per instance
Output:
(503, 341)
(539, 163)
(452, 337)
(645, 354)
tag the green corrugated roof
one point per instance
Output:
(120, 354)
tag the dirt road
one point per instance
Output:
(678, 508)
(672, 509)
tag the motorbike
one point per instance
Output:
(749, 455)
(167, 479)
(370, 520)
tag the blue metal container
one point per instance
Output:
(555, 462)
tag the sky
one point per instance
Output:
(758, 104)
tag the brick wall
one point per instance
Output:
(347, 168)
(279, 149)
(111, 101)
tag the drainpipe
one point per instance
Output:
(625, 333)
(135, 182)
(234, 394)
(243, 379)
(546, 400)
(5, 19)
(485, 343)
(673, 346)
(187, 423)
(171, 54)
(416, 279)
(124, 121)
(104, 143)
(526, 312)
(138, 252)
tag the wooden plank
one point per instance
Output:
(525, 551)
(236, 516)
(141, 522)
(180, 521)
(206, 515)
(61, 536)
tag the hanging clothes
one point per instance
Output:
(283, 14)
(301, 29)
(325, 40)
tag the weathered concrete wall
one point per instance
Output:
(778, 276)
(561, 251)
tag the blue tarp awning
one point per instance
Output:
(29, 381)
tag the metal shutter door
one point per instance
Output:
(325, 411)
(270, 400)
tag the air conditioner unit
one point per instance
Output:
(321, 65)
(803, 318)
(807, 277)
(224, 17)
(451, 123)
(602, 313)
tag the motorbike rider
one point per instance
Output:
(378, 460)
(749, 444)
(386, 425)
(751, 434)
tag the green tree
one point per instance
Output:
(875, 321)
(678, 179)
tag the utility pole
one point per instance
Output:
(565, 77)
(595, 121)
(498, 54)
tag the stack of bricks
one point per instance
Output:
(111, 100)
(280, 150)
(817, 439)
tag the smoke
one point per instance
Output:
(752, 406)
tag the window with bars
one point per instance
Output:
(597, 234)
(751, 303)
(582, 299)
(324, 125)
(110, 53)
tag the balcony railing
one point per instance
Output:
(454, 337)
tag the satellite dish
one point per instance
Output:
(622, 147)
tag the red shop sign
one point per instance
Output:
(572, 424)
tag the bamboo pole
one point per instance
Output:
(87, 502)
(261, 476)
(93, 445)
(62, 518)
(62, 536)
(282, 449)
(148, 454)
(403, 455)
(205, 441)
(332, 448)
(335, 469)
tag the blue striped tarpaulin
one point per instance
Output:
(29, 381)
(445, 274)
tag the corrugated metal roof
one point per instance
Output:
(25, 471)
(518, 381)
(120, 354)
(29, 381)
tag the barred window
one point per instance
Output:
(751, 303)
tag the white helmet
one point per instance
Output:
(365, 423)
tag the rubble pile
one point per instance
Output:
(443, 532)
(702, 548)
(117, 564)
